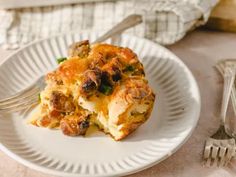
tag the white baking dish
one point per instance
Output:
(10, 4)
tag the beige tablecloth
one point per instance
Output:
(200, 50)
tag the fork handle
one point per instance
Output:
(229, 76)
(128, 22)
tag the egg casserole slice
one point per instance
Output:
(97, 84)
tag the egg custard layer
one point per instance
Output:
(97, 84)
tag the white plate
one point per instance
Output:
(174, 117)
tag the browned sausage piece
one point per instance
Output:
(80, 49)
(61, 103)
(74, 125)
(91, 81)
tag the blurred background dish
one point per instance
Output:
(13, 4)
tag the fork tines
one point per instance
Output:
(219, 152)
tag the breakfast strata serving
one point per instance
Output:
(98, 84)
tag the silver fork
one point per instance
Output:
(24, 98)
(220, 67)
(29, 96)
(220, 147)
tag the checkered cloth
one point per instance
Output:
(165, 21)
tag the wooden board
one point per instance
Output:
(223, 16)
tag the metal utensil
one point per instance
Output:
(221, 67)
(220, 147)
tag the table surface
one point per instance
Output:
(199, 50)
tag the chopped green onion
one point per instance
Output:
(105, 89)
(59, 60)
(39, 97)
(129, 68)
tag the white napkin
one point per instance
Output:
(165, 21)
